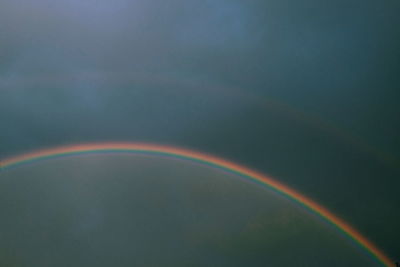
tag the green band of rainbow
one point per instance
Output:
(210, 161)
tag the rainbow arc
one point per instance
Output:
(208, 160)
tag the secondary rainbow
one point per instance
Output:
(140, 148)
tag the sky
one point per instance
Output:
(305, 91)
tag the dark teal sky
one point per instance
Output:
(306, 90)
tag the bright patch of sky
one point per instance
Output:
(215, 23)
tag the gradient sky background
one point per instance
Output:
(306, 91)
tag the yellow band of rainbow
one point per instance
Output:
(210, 161)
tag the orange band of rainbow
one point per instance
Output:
(210, 161)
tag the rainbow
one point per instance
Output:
(209, 160)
